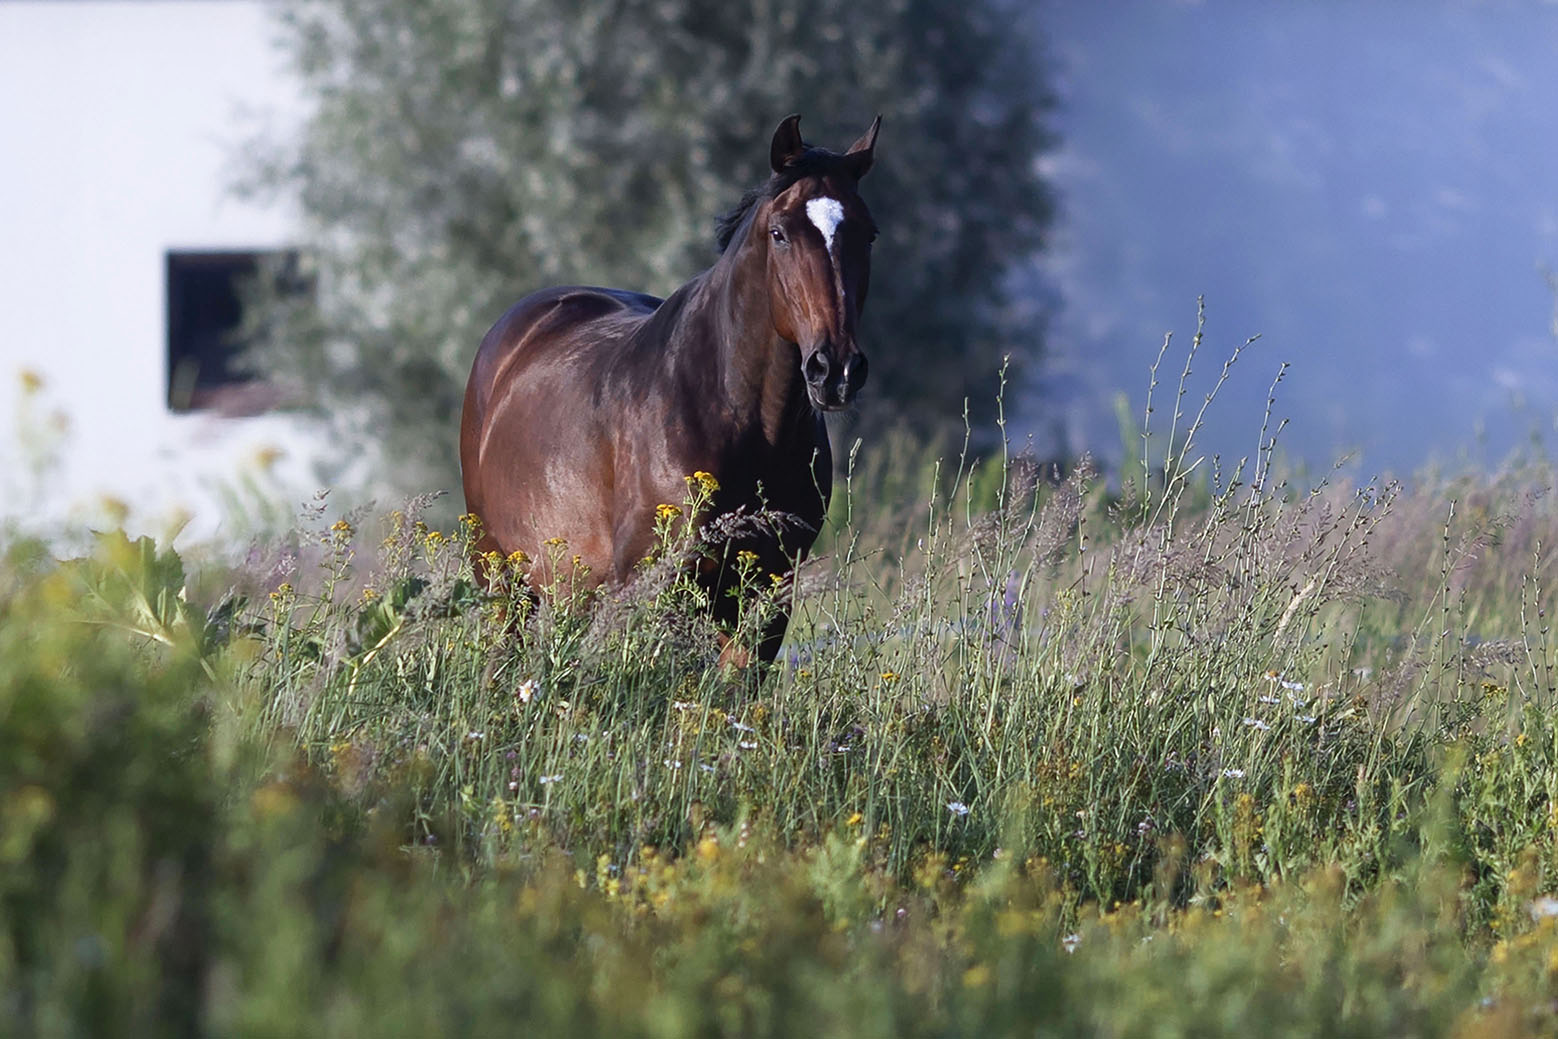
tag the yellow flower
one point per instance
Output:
(555, 542)
(116, 509)
(855, 820)
(705, 481)
(265, 458)
(666, 512)
(32, 382)
(272, 799)
(369, 594)
(889, 677)
(341, 528)
(518, 559)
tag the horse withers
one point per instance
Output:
(587, 408)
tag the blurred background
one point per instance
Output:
(1370, 187)
(247, 249)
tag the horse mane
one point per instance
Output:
(811, 162)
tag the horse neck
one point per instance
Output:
(759, 372)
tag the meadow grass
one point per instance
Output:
(1206, 751)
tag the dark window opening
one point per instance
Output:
(205, 317)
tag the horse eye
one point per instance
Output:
(777, 234)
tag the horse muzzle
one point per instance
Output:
(831, 384)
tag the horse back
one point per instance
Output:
(549, 321)
(537, 352)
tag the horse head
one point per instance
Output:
(819, 236)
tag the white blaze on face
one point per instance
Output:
(827, 214)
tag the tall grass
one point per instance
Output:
(1203, 751)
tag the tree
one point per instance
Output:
(463, 153)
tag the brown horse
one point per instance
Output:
(587, 408)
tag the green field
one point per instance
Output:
(1196, 752)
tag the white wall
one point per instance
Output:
(120, 124)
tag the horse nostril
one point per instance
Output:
(816, 368)
(855, 373)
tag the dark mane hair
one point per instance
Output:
(812, 162)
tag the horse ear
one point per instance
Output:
(860, 153)
(787, 146)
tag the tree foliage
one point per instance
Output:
(463, 153)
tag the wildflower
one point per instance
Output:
(470, 521)
(1233, 773)
(889, 677)
(957, 808)
(683, 705)
(475, 735)
(976, 976)
(746, 558)
(1307, 719)
(555, 542)
(525, 691)
(747, 745)
(1070, 942)
(1276, 676)
(740, 727)
(553, 778)
(672, 764)
(266, 456)
(1271, 699)
(1256, 724)
(706, 768)
(855, 820)
(666, 512)
(705, 481)
(518, 559)
(369, 594)
(434, 538)
(342, 529)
